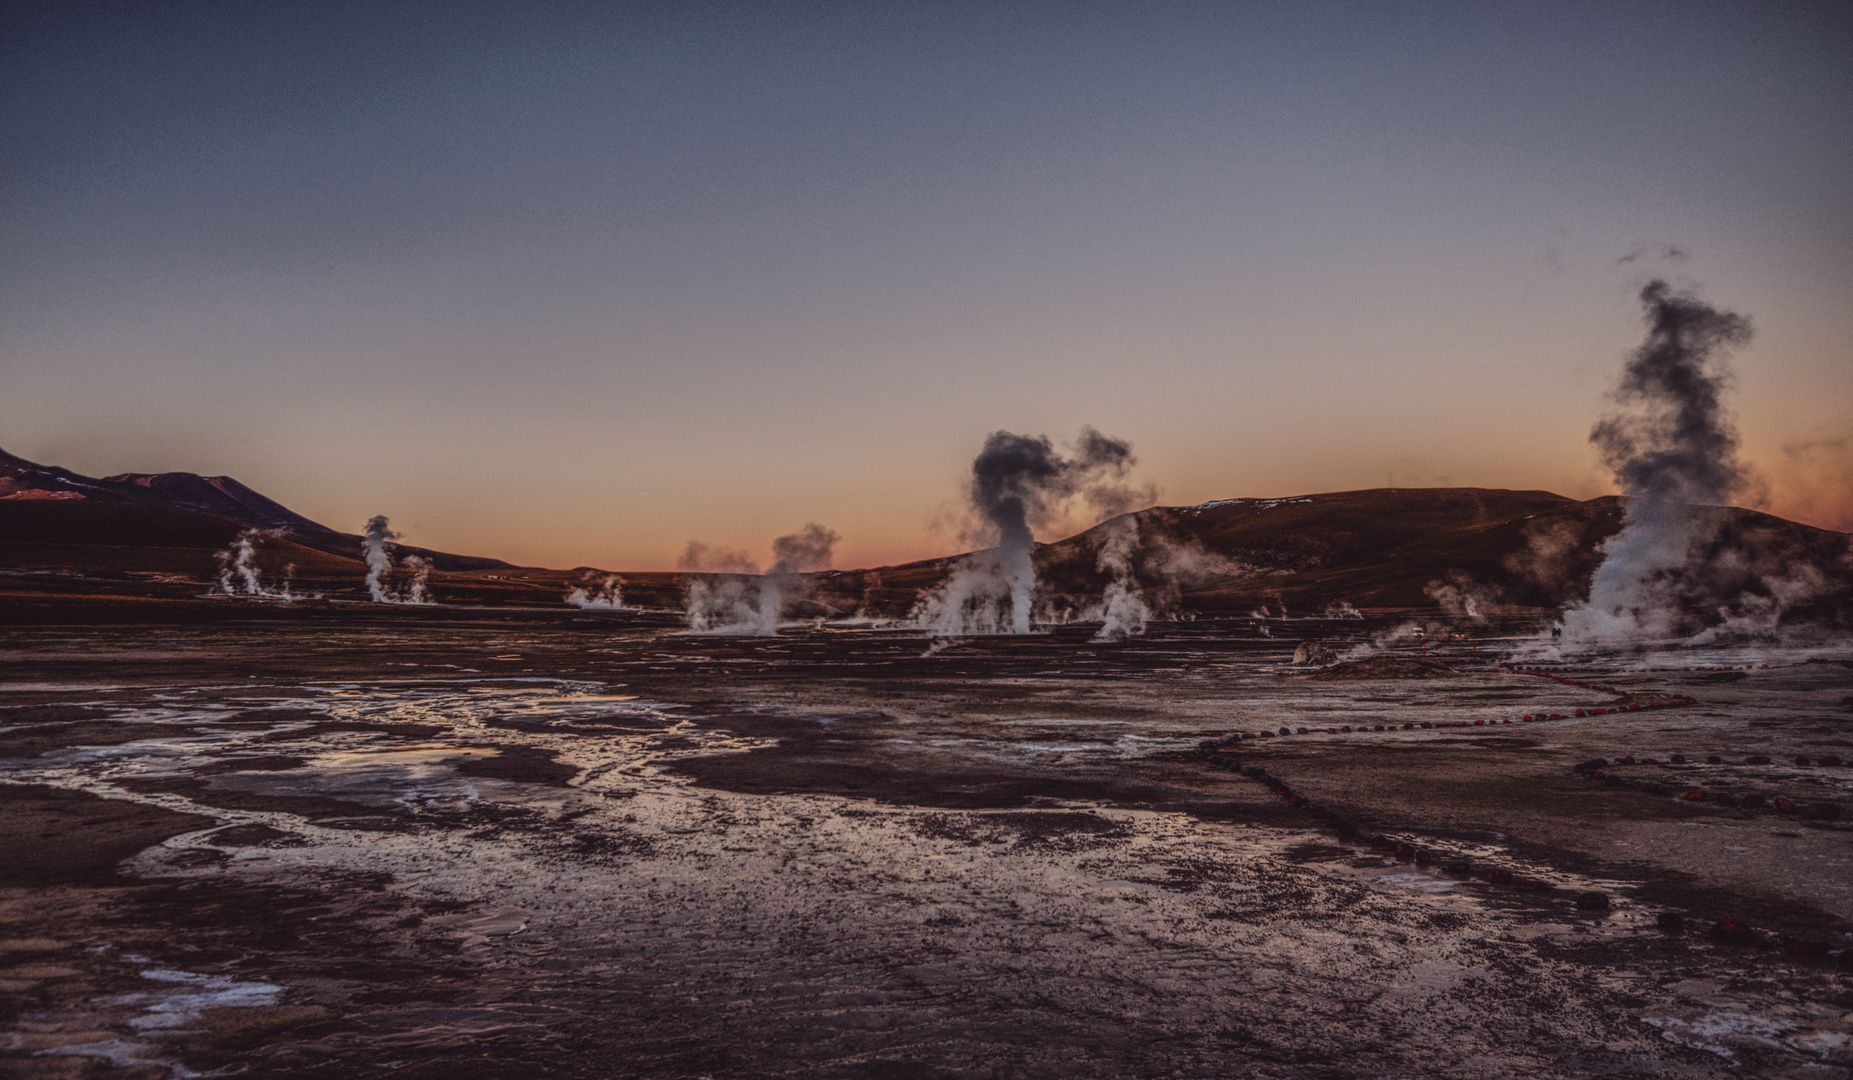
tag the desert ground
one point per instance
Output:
(540, 845)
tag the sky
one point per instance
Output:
(577, 284)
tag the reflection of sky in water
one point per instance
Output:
(370, 777)
(189, 995)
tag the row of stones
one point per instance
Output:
(1598, 769)
(1347, 729)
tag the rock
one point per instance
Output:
(1670, 920)
(1385, 668)
(1804, 947)
(1308, 653)
(1593, 901)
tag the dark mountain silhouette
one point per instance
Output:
(221, 497)
(45, 504)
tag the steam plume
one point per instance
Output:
(1672, 446)
(238, 572)
(415, 592)
(598, 593)
(376, 548)
(735, 598)
(1460, 595)
(1123, 610)
(1020, 482)
(806, 550)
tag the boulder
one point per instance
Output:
(1309, 653)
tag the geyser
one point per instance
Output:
(598, 593)
(1672, 447)
(238, 572)
(733, 597)
(376, 545)
(1019, 482)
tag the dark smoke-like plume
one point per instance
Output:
(1672, 447)
(1018, 483)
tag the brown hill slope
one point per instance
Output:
(1387, 548)
(43, 504)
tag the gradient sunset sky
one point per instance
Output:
(576, 284)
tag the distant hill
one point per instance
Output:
(45, 504)
(1407, 548)
(1455, 550)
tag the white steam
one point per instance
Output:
(1460, 595)
(732, 597)
(1123, 610)
(376, 545)
(598, 593)
(239, 574)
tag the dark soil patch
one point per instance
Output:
(311, 807)
(1385, 669)
(522, 764)
(776, 770)
(267, 763)
(45, 738)
(572, 725)
(47, 714)
(390, 731)
(58, 837)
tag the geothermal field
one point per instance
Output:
(579, 846)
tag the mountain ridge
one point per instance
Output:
(157, 495)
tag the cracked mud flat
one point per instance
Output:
(487, 850)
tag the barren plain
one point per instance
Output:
(541, 845)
